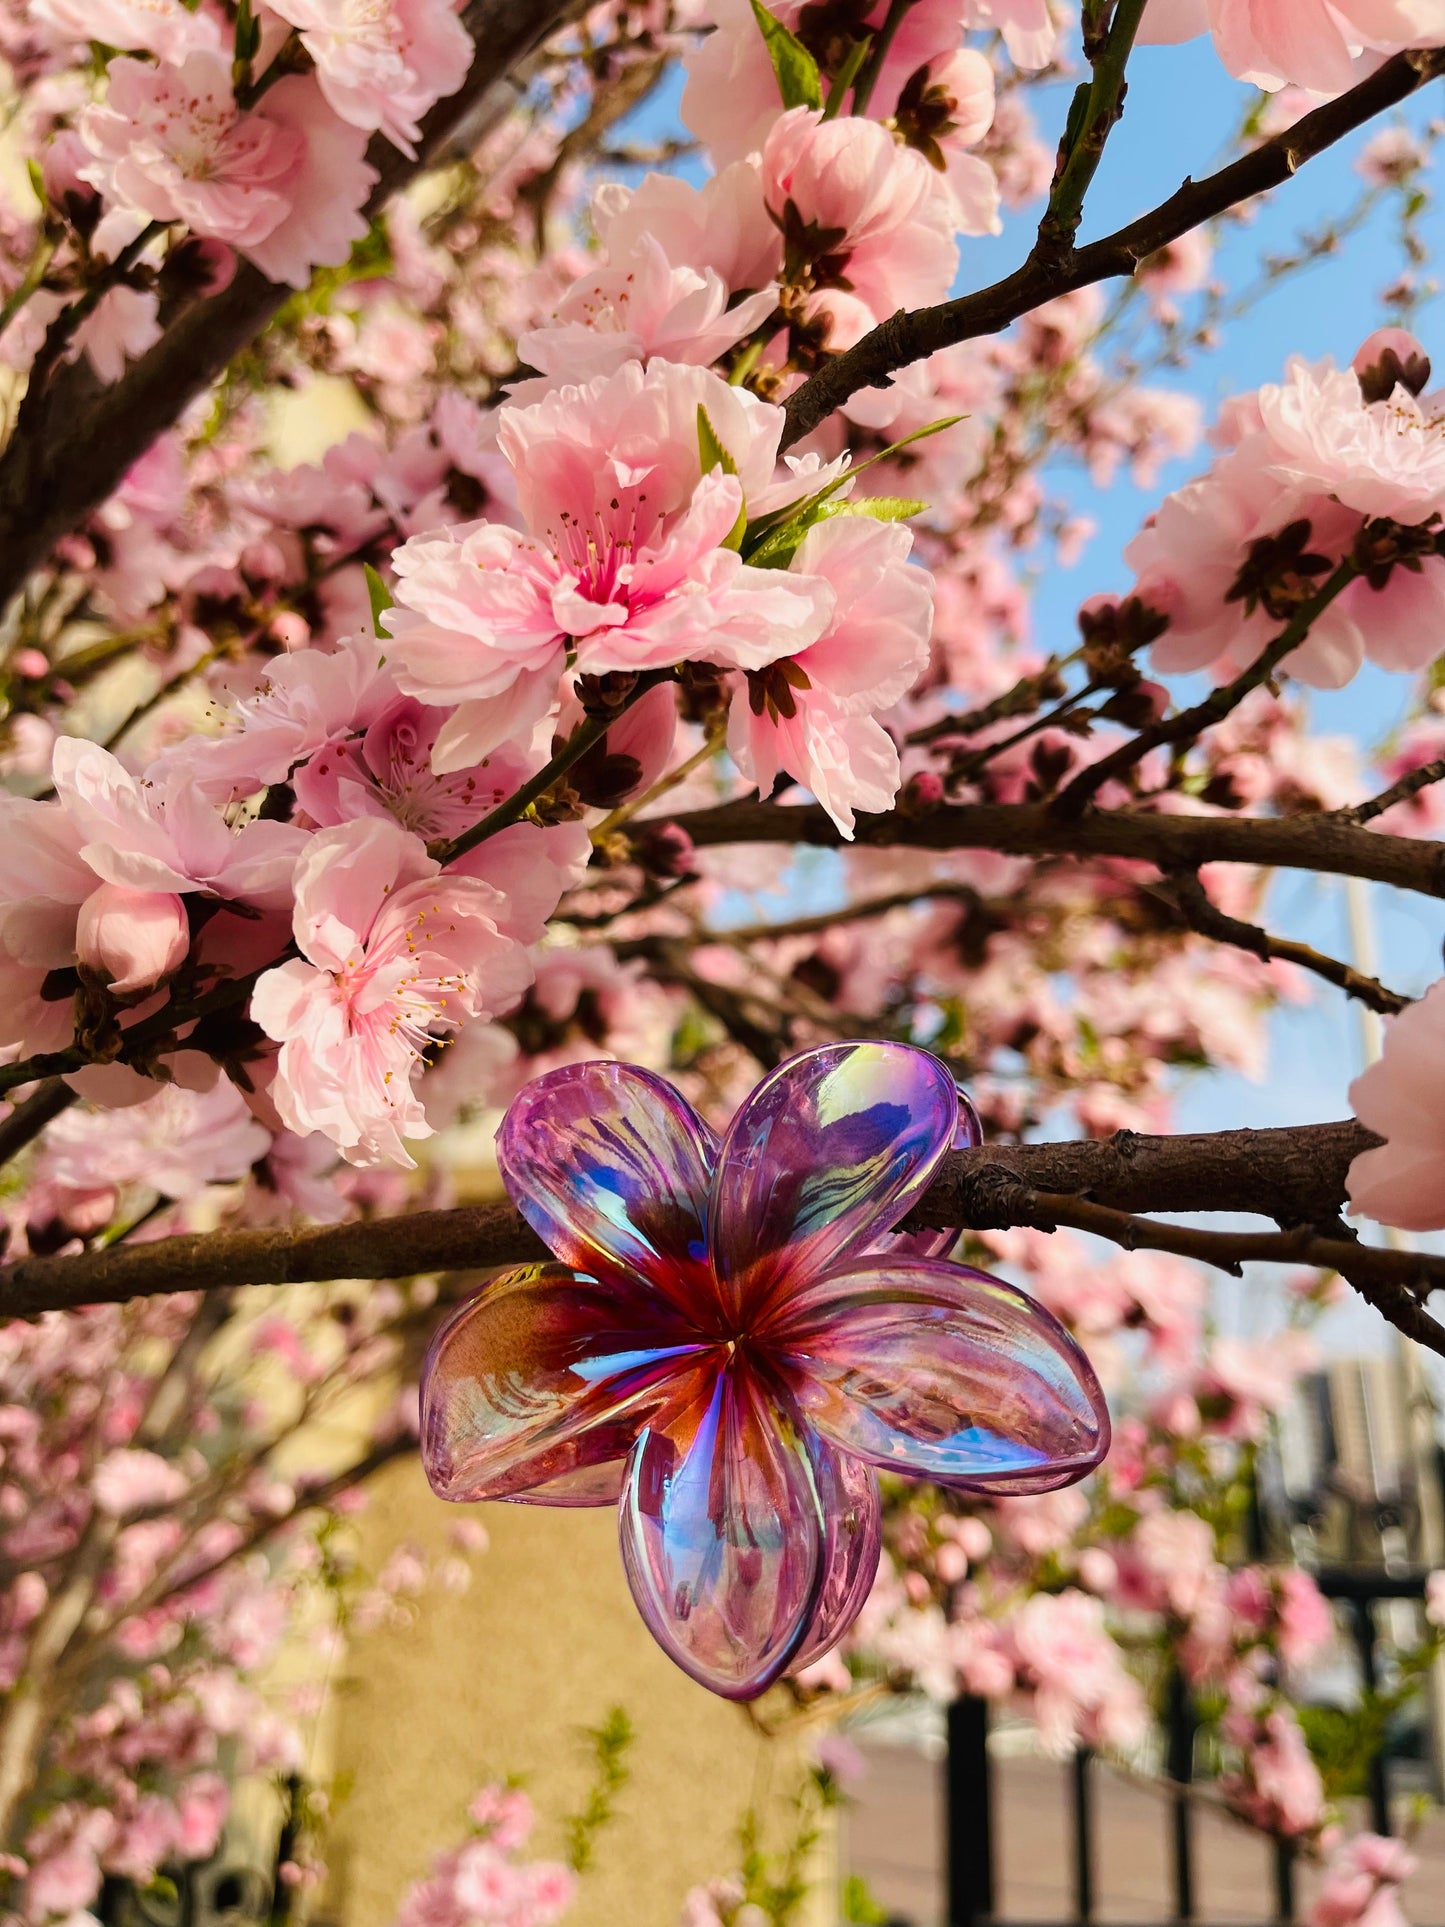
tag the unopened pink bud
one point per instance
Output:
(32, 663)
(131, 939)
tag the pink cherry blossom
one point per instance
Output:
(328, 188)
(284, 182)
(304, 702)
(636, 307)
(382, 63)
(170, 143)
(131, 939)
(817, 716)
(1313, 44)
(1386, 458)
(166, 28)
(162, 836)
(176, 1142)
(392, 954)
(625, 558)
(131, 1481)
(860, 200)
(1403, 1181)
(720, 227)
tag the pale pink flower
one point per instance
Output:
(1386, 458)
(389, 772)
(1435, 1598)
(382, 63)
(625, 560)
(880, 205)
(1080, 1690)
(283, 183)
(201, 1809)
(1313, 44)
(176, 1142)
(131, 939)
(306, 701)
(166, 28)
(1359, 1887)
(129, 1481)
(163, 836)
(328, 189)
(721, 227)
(817, 718)
(1280, 1788)
(632, 308)
(170, 143)
(1402, 1182)
(393, 954)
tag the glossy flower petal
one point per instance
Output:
(834, 1147)
(940, 1371)
(609, 1165)
(723, 1533)
(854, 1541)
(938, 1241)
(542, 1377)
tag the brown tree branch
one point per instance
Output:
(75, 438)
(1188, 895)
(1293, 1177)
(1388, 1280)
(1323, 842)
(1401, 792)
(912, 336)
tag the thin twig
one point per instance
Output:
(1189, 896)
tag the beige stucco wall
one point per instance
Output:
(499, 1680)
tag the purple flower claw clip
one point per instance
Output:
(733, 1339)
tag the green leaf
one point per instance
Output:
(709, 447)
(381, 597)
(713, 455)
(762, 531)
(799, 82)
(780, 545)
(882, 508)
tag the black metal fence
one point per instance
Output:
(970, 1803)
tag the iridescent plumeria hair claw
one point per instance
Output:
(732, 1340)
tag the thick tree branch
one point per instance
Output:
(75, 438)
(1290, 1176)
(908, 337)
(1323, 842)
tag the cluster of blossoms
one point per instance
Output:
(150, 1541)
(484, 1882)
(1330, 467)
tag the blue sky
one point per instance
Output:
(1180, 117)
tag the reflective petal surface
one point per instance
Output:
(610, 1167)
(941, 1371)
(543, 1377)
(852, 1543)
(827, 1153)
(967, 1136)
(722, 1532)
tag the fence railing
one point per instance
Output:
(970, 1802)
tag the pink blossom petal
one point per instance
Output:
(723, 1532)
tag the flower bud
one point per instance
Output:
(1390, 358)
(131, 939)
